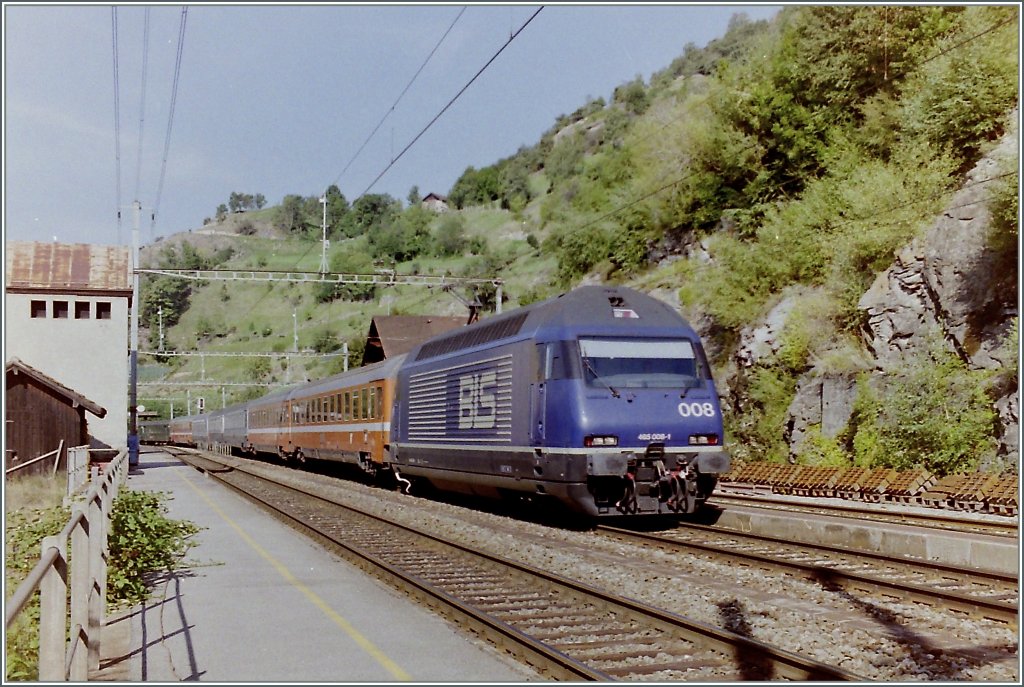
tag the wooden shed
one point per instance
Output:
(40, 412)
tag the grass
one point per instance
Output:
(258, 317)
(33, 509)
(33, 492)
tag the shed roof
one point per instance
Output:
(64, 267)
(16, 367)
(392, 335)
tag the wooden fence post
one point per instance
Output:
(53, 608)
(80, 586)
(96, 597)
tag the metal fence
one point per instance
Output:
(65, 654)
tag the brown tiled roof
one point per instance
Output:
(393, 335)
(67, 267)
(17, 367)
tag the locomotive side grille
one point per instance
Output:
(473, 336)
(464, 403)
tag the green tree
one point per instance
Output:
(414, 196)
(347, 262)
(326, 341)
(258, 369)
(290, 217)
(369, 212)
(337, 209)
(633, 96)
(450, 238)
(402, 237)
(476, 187)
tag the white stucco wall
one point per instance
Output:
(89, 356)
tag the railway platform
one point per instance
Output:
(996, 553)
(258, 602)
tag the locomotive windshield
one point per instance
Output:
(640, 363)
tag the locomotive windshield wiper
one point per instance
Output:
(590, 368)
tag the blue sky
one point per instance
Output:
(278, 99)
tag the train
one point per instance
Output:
(600, 399)
(154, 432)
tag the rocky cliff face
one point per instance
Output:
(950, 281)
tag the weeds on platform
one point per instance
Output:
(143, 540)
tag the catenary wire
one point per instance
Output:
(142, 102)
(968, 40)
(400, 95)
(117, 120)
(170, 118)
(452, 101)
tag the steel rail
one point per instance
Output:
(836, 578)
(786, 664)
(550, 661)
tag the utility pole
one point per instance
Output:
(323, 249)
(160, 312)
(295, 329)
(133, 354)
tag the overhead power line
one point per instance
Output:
(142, 101)
(170, 118)
(117, 119)
(452, 101)
(400, 95)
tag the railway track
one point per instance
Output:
(975, 593)
(565, 629)
(1000, 526)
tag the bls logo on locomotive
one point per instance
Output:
(477, 400)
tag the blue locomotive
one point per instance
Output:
(600, 398)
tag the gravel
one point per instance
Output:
(877, 640)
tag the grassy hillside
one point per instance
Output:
(785, 162)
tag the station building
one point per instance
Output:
(66, 316)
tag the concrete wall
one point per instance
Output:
(89, 355)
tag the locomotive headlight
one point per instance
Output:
(600, 440)
(703, 440)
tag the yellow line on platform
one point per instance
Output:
(367, 646)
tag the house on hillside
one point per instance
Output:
(435, 202)
(392, 335)
(66, 314)
(41, 416)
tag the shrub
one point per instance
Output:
(258, 368)
(821, 451)
(326, 342)
(756, 430)
(580, 249)
(23, 535)
(956, 100)
(450, 238)
(143, 540)
(935, 413)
